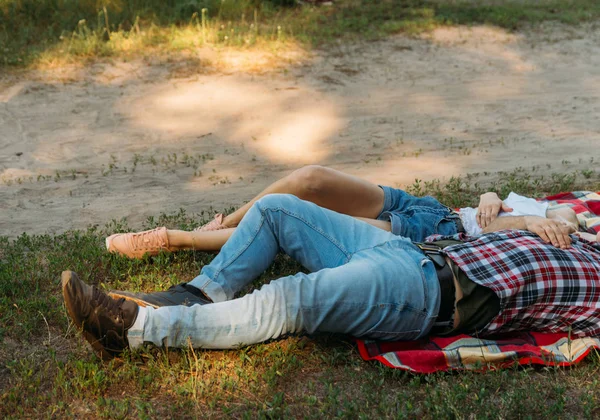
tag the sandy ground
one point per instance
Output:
(81, 147)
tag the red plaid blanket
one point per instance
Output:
(585, 203)
(466, 352)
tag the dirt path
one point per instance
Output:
(132, 140)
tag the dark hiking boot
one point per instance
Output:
(181, 294)
(104, 321)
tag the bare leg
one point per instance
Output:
(214, 240)
(325, 187)
(200, 241)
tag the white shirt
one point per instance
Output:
(522, 206)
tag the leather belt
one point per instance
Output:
(445, 317)
(460, 228)
(459, 225)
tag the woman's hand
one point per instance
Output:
(489, 207)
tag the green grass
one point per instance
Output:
(48, 370)
(52, 32)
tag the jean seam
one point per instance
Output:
(422, 264)
(242, 249)
(347, 254)
(394, 332)
(387, 201)
(315, 229)
(206, 283)
(424, 209)
(407, 308)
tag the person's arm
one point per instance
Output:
(489, 207)
(564, 214)
(381, 224)
(553, 231)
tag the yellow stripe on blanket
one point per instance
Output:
(474, 353)
(573, 349)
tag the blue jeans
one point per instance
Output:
(416, 217)
(363, 281)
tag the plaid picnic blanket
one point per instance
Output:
(586, 205)
(465, 352)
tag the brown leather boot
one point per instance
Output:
(104, 321)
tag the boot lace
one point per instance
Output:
(111, 305)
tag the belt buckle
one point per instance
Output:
(434, 253)
(430, 248)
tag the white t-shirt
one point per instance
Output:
(522, 206)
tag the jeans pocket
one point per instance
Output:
(446, 226)
(394, 336)
(408, 314)
(402, 323)
(420, 222)
(431, 291)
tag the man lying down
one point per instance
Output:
(523, 273)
